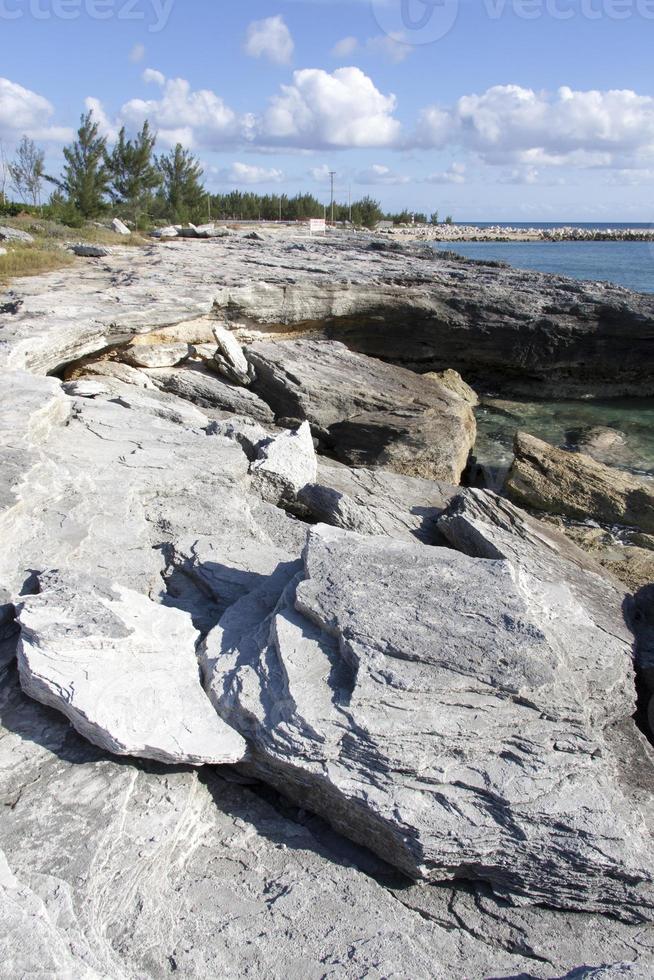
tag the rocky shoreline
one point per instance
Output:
(500, 233)
(280, 694)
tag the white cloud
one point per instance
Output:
(526, 175)
(379, 174)
(153, 77)
(25, 112)
(345, 47)
(137, 53)
(342, 109)
(319, 174)
(195, 118)
(455, 174)
(107, 128)
(245, 173)
(508, 123)
(270, 38)
(395, 47)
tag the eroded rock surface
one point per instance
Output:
(438, 711)
(123, 669)
(577, 485)
(369, 413)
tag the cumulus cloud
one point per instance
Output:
(526, 175)
(245, 173)
(508, 123)
(319, 174)
(153, 77)
(25, 112)
(107, 127)
(455, 174)
(337, 110)
(379, 174)
(345, 47)
(270, 38)
(195, 118)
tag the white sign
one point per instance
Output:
(317, 224)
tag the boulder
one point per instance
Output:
(155, 355)
(110, 369)
(367, 412)
(122, 669)
(89, 251)
(120, 227)
(446, 711)
(168, 232)
(561, 482)
(284, 465)
(245, 431)
(15, 235)
(453, 381)
(195, 383)
(377, 502)
(3, 251)
(229, 357)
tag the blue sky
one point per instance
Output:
(506, 109)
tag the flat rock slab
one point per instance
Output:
(377, 502)
(421, 701)
(123, 669)
(369, 413)
(574, 484)
(155, 355)
(285, 464)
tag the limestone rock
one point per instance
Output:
(120, 227)
(111, 369)
(122, 669)
(285, 464)
(155, 355)
(578, 486)
(368, 412)
(168, 232)
(196, 384)
(120, 870)
(230, 358)
(3, 251)
(438, 712)
(89, 251)
(243, 430)
(377, 502)
(15, 235)
(453, 381)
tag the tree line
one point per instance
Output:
(144, 187)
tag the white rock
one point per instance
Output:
(15, 235)
(119, 227)
(168, 232)
(3, 251)
(230, 358)
(155, 355)
(123, 670)
(285, 464)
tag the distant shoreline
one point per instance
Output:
(499, 233)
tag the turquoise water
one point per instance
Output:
(629, 264)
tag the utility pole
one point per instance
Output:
(332, 174)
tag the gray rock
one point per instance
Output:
(120, 227)
(448, 713)
(454, 382)
(576, 485)
(122, 669)
(284, 465)
(89, 251)
(200, 386)
(112, 369)
(229, 357)
(168, 232)
(155, 355)
(243, 430)
(377, 502)
(370, 413)
(15, 235)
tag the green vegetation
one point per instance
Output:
(130, 181)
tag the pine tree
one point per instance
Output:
(85, 177)
(134, 174)
(182, 189)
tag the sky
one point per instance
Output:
(487, 110)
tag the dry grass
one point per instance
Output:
(31, 260)
(51, 231)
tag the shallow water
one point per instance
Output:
(498, 419)
(629, 264)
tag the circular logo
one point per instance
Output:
(416, 21)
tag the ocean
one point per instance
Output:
(629, 264)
